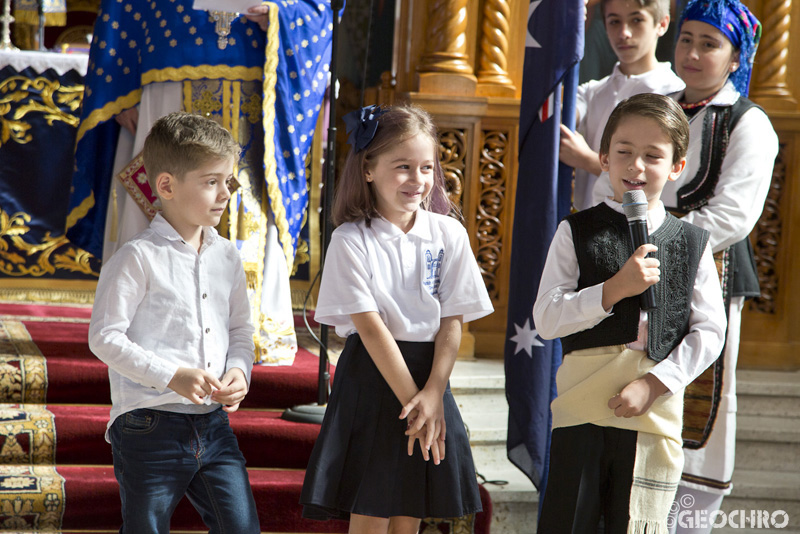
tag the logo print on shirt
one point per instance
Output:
(433, 267)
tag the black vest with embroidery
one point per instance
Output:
(603, 245)
(718, 123)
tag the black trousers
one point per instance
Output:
(591, 472)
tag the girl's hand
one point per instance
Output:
(637, 397)
(430, 412)
(258, 14)
(437, 447)
(233, 390)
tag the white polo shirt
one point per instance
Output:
(412, 280)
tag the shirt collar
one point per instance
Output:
(163, 228)
(727, 96)
(655, 216)
(386, 230)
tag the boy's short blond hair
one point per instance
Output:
(181, 142)
(662, 109)
(657, 8)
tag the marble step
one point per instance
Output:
(774, 393)
(765, 491)
(768, 443)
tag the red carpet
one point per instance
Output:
(59, 397)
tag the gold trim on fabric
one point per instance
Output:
(270, 166)
(108, 111)
(229, 107)
(178, 74)
(187, 96)
(236, 89)
(80, 211)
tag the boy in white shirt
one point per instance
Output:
(633, 28)
(617, 420)
(171, 320)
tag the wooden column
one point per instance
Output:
(769, 82)
(445, 67)
(493, 79)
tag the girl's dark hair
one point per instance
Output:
(355, 198)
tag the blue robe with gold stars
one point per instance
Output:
(137, 43)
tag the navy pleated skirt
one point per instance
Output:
(360, 463)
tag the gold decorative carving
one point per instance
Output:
(446, 45)
(12, 264)
(452, 156)
(15, 92)
(491, 203)
(767, 239)
(494, 44)
(773, 51)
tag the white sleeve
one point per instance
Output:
(707, 323)
(462, 290)
(241, 349)
(744, 182)
(346, 286)
(120, 289)
(559, 310)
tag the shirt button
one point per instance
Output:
(209, 364)
(205, 295)
(208, 330)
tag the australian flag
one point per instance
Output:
(553, 47)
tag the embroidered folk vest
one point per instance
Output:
(718, 123)
(603, 245)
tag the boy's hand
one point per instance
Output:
(258, 14)
(637, 397)
(194, 384)
(575, 152)
(638, 273)
(233, 390)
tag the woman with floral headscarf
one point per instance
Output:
(732, 149)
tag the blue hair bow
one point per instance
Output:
(362, 124)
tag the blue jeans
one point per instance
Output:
(161, 456)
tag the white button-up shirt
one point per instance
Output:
(412, 280)
(595, 101)
(744, 178)
(160, 305)
(560, 310)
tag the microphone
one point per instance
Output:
(634, 204)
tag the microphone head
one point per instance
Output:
(634, 204)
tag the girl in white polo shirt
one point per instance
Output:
(398, 282)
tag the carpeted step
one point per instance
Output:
(86, 498)
(72, 374)
(265, 439)
(85, 380)
(92, 502)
